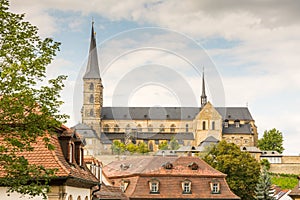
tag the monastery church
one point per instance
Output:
(190, 126)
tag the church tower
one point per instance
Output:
(92, 88)
(203, 95)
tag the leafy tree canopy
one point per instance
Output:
(241, 168)
(272, 140)
(28, 106)
(174, 145)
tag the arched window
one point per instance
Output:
(92, 112)
(79, 198)
(106, 128)
(127, 127)
(154, 186)
(92, 98)
(203, 125)
(150, 128)
(187, 128)
(151, 146)
(92, 86)
(70, 197)
(213, 124)
(116, 128)
(139, 128)
(172, 129)
(162, 128)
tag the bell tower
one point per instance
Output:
(92, 88)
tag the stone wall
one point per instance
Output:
(285, 168)
(290, 159)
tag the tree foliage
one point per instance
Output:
(118, 147)
(143, 148)
(28, 106)
(241, 168)
(163, 145)
(263, 189)
(174, 145)
(272, 140)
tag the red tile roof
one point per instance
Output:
(54, 159)
(138, 172)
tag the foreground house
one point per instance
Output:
(168, 178)
(73, 179)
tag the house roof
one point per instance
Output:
(138, 173)
(242, 129)
(171, 113)
(54, 159)
(296, 191)
(154, 165)
(110, 192)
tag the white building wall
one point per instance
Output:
(15, 196)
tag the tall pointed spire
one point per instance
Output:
(203, 95)
(92, 68)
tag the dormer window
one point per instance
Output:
(154, 186)
(71, 152)
(124, 185)
(193, 166)
(226, 122)
(215, 187)
(237, 123)
(81, 156)
(186, 187)
(167, 165)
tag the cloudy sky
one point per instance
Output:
(157, 49)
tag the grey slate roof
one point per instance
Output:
(210, 140)
(242, 129)
(85, 131)
(107, 137)
(172, 113)
(92, 68)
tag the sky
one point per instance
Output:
(153, 53)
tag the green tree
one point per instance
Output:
(132, 148)
(263, 188)
(143, 148)
(272, 140)
(163, 145)
(265, 164)
(174, 144)
(118, 147)
(28, 106)
(241, 168)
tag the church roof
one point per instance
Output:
(170, 113)
(84, 130)
(92, 68)
(242, 129)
